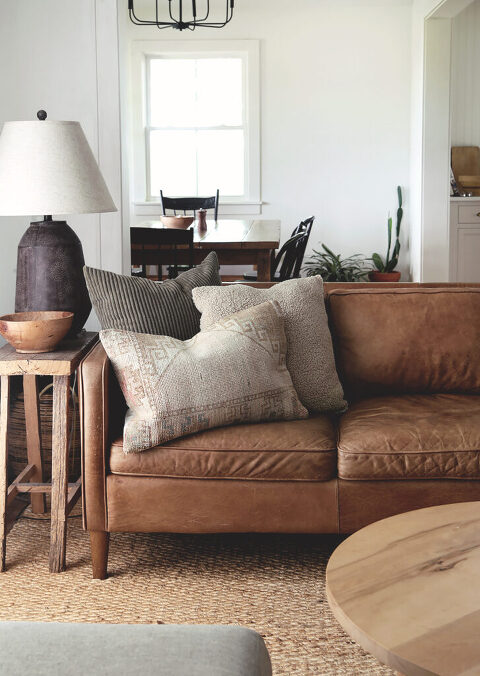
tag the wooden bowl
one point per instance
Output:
(35, 332)
(178, 222)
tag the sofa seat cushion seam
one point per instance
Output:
(223, 478)
(207, 449)
(373, 454)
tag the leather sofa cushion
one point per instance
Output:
(297, 450)
(395, 341)
(411, 437)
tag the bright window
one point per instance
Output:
(195, 126)
(199, 121)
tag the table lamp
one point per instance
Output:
(47, 167)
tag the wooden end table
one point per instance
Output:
(407, 589)
(60, 364)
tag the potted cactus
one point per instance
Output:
(385, 269)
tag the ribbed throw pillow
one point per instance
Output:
(310, 357)
(140, 305)
(232, 372)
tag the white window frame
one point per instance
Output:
(248, 51)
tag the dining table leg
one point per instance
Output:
(264, 257)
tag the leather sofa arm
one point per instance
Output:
(95, 375)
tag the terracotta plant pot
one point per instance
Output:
(177, 222)
(375, 276)
(35, 332)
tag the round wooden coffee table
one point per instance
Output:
(407, 589)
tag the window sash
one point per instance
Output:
(152, 197)
(149, 128)
(218, 127)
(194, 56)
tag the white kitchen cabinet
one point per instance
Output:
(465, 239)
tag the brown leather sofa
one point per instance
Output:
(409, 359)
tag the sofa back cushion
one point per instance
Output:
(407, 340)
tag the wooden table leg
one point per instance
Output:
(58, 532)
(34, 439)
(263, 265)
(4, 406)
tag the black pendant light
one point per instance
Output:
(181, 18)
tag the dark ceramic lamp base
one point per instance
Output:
(50, 272)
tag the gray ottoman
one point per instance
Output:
(61, 649)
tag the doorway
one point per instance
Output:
(445, 249)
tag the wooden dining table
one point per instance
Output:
(236, 242)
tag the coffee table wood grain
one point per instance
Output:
(407, 589)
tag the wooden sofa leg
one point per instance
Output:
(99, 541)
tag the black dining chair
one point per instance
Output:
(292, 252)
(302, 246)
(184, 204)
(161, 246)
(284, 264)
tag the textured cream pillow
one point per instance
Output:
(232, 372)
(310, 357)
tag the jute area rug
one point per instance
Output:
(274, 584)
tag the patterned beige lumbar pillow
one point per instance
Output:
(310, 358)
(232, 372)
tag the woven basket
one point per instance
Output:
(17, 442)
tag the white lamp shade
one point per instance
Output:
(47, 167)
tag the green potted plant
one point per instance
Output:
(385, 269)
(333, 268)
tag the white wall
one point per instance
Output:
(465, 121)
(436, 145)
(335, 108)
(49, 58)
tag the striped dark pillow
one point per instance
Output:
(140, 305)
